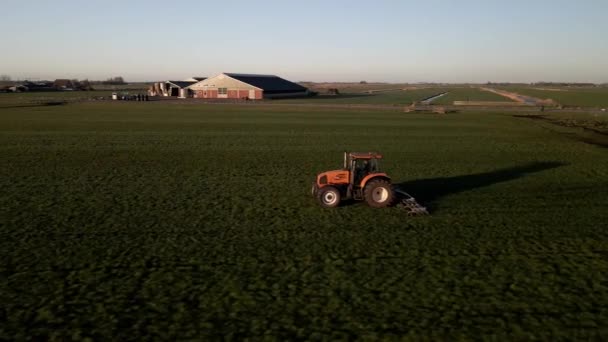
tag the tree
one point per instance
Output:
(5, 78)
(85, 85)
(118, 80)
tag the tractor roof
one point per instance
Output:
(365, 155)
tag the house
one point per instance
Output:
(246, 86)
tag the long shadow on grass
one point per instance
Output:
(329, 97)
(28, 105)
(429, 191)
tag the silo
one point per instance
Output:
(183, 93)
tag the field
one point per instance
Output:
(468, 94)
(585, 97)
(132, 220)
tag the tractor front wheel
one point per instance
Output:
(378, 193)
(329, 197)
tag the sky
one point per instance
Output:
(312, 40)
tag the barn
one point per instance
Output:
(246, 86)
(173, 88)
(195, 79)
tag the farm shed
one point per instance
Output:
(41, 86)
(17, 89)
(246, 86)
(169, 88)
(173, 87)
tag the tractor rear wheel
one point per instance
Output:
(329, 197)
(378, 193)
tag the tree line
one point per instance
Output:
(117, 80)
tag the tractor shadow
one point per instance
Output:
(324, 97)
(429, 191)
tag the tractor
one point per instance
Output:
(360, 180)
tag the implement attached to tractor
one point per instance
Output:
(361, 180)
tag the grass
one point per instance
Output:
(135, 220)
(586, 97)
(468, 94)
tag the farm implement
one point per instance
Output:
(409, 203)
(361, 180)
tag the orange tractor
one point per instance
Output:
(360, 179)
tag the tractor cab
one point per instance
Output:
(362, 164)
(359, 179)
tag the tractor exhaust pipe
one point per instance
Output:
(345, 162)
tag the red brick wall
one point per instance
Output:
(232, 94)
(243, 94)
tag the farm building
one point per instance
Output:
(195, 79)
(42, 86)
(246, 86)
(63, 84)
(173, 88)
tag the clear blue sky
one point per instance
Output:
(394, 41)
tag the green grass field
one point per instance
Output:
(133, 220)
(468, 94)
(586, 97)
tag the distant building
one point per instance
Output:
(246, 86)
(39, 86)
(63, 84)
(17, 88)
